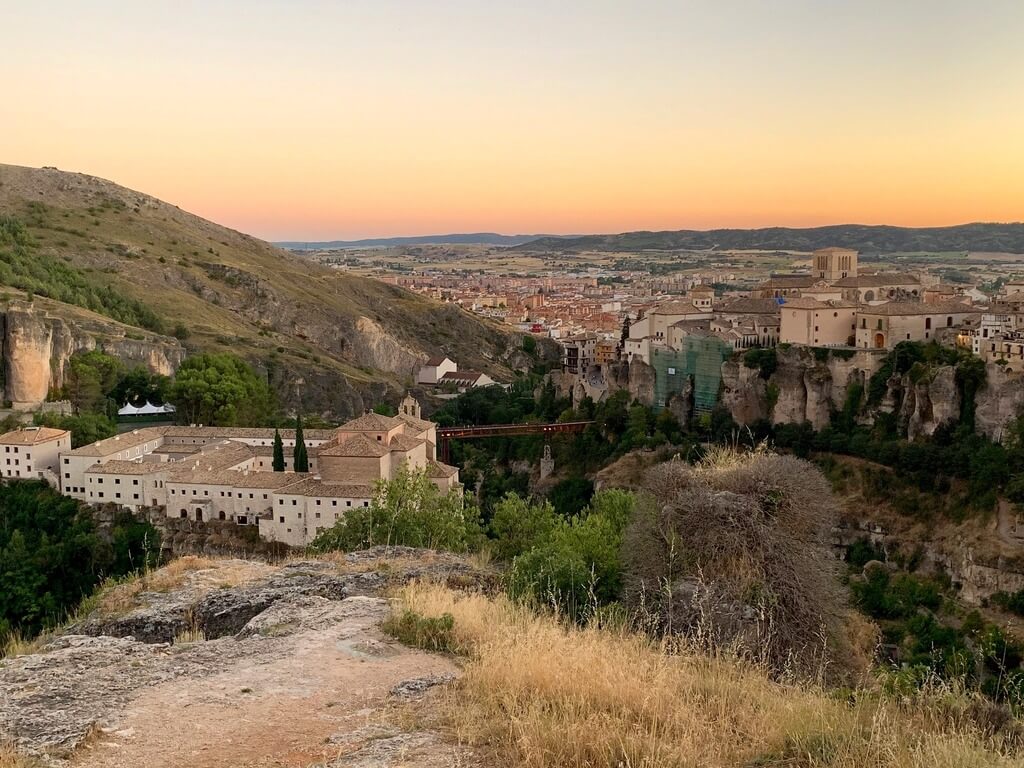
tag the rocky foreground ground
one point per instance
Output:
(238, 663)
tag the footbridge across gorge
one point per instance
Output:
(445, 435)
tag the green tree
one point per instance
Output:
(300, 457)
(85, 428)
(91, 378)
(52, 555)
(518, 526)
(278, 460)
(139, 386)
(408, 510)
(576, 567)
(221, 390)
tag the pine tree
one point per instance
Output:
(300, 458)
(278, 463)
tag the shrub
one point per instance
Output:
(408, 510)
(765, 361)
(736, 551)
(431, 633)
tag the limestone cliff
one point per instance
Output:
(805, 385)
(38, 340)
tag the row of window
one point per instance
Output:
(7, 449)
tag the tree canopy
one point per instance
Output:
(221, 390)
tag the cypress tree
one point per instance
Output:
(300, 457)
(278, 463)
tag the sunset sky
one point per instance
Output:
(318, 120)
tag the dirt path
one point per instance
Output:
(321, 703)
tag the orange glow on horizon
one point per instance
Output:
(317, 122)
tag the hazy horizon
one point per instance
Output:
(317, 121)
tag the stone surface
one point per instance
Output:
(294, 671)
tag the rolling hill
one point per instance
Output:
(473, 238)
(125, 255)
(1001, 238)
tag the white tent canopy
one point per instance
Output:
(145, 410)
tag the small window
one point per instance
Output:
(281, 519)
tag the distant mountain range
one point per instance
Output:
(1002, 238)
(472, 238)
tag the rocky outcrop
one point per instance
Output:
(744, 392)
(288, 666)
(999, 402)
(601, 381)
(37, 346)
(928, 403)
(806, 385)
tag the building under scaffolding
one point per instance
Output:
(699, 358)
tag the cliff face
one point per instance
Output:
(37, 346)
(801, 388)
(806, 388)
(600, 382)
(999, 402)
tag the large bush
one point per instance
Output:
(735, 551)
(573, 564)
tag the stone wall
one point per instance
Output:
(180, 536)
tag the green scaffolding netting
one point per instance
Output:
(699, 358)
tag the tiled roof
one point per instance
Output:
(438, 469)
(128, 468)
(218, 456)
(405, 443)
(877, 280)
(120, 442)
(804, 302)
(32, 436)
(421, 424)
(470, 376)
(748, 306)
(678, 308)
(436, 361)
(357, 446)
(370, 422)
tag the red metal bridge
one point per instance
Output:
(445, 435)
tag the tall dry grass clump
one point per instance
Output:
(734, 552)
(543, 693)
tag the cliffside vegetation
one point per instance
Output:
(52, 556)
(24, 266)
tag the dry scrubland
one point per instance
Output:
(541, 693)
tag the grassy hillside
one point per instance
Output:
(1000, 238)
(148, 263)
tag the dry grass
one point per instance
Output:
(546, 695)
(203, 573)
(190, 636)
(10, 757)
